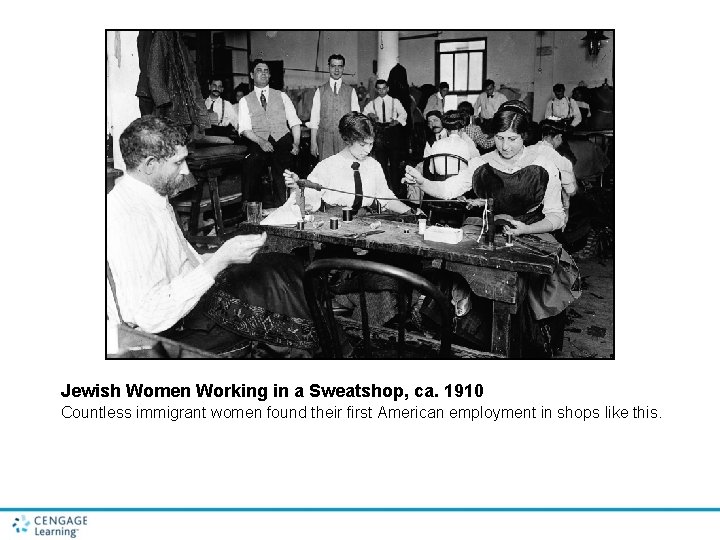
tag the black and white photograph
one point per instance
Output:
(360, 194)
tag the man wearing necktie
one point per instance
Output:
(265, 114)
(488, 103)
(390, 140)
(330, 102)
(223, 110)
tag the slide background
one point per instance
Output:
(666, 199)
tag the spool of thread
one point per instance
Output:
(347, 214)
(334, 223)
(300, 224)
(422, 224)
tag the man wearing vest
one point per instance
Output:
(331, 102)
(389, 116)
(265, 115)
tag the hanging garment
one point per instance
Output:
(173, 81)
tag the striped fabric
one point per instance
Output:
(158, 276)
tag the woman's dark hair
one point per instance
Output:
(466, 107)
(550, 128)
(453, 120)
(467, 110)
(509, 120)
(356, 127)
(515, 105)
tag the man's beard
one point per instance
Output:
(169, 186)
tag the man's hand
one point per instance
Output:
(240, 249)
(394, 122)
(266, 145)
(412, 176)
(314, 148)
(295, 149)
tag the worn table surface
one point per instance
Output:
(529, 254)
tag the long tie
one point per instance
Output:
(357, 203)
(383, 102)
(212, 106)
(263, 101)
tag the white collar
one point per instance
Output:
(143, 191)
(259, 91)
(333, 82)
(439, 95)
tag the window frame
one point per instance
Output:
(438, 42)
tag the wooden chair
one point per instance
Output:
(319, 297)
(439, 167)
(210, 166)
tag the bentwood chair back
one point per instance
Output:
(319, 294)
(439, 167)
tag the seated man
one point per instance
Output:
(222, 111)
(436, 132)
(163, 286)
(265, 114)
(563, 107)
(454, 143)
(353, 178)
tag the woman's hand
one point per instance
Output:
(519, 226)
(291, 179)
(412, 176)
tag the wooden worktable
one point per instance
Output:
(497, 274)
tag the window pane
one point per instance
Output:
(476, 71)
(446, 69)
(461, 72)
(452, 46)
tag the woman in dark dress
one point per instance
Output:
(526, 192)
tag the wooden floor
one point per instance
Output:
(590, 327)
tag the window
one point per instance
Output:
(462, 64)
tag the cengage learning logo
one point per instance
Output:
(21, 524)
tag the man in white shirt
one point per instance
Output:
(330, 103)
(564, 108)
(488, 103)
(223, 110)
(389, 117)
(161, 284)
(436, 102)
(265, 114)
